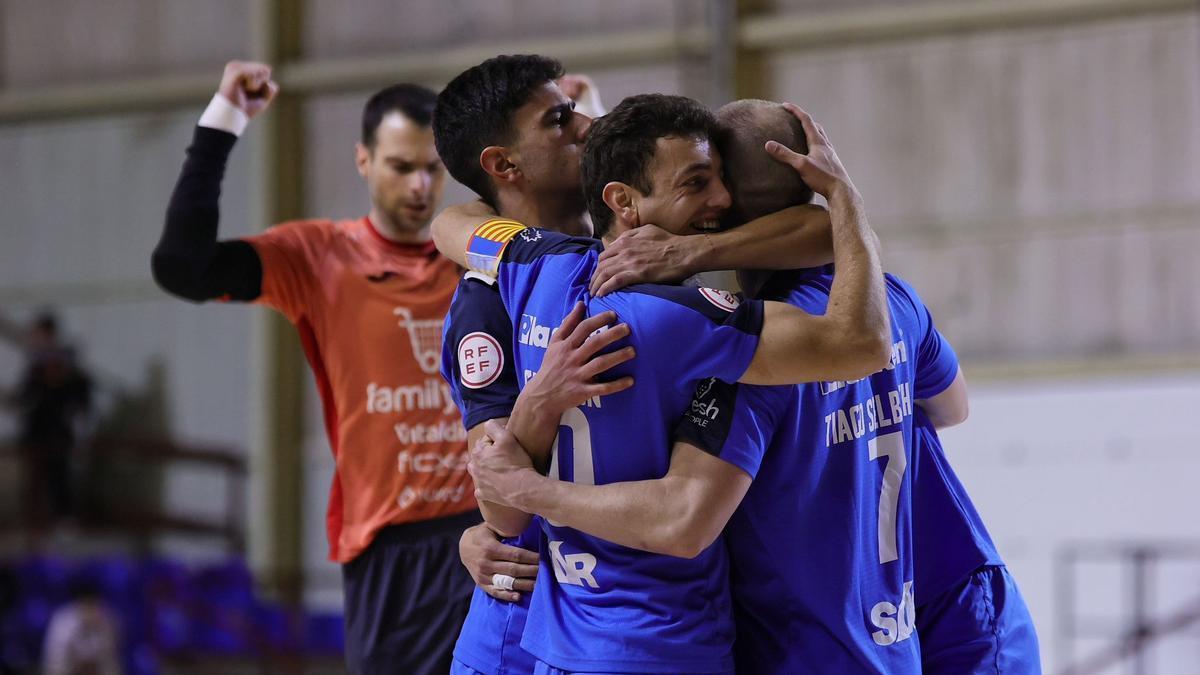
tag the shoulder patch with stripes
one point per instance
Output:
(488, 242)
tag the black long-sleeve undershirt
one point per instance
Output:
(189, 261)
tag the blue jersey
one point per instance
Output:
(477, 363)
(598, 606)
(822, 545)
(949, 537)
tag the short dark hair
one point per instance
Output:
(621, 145)
(758, 182)
(475, 110)
(411, 100)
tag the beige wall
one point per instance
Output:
(1039, 185)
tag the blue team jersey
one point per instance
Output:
(477, 363)
(821, 547)
(598, 606)
(950, 539)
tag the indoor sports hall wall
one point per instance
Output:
(1096, 467)
(1038, 183)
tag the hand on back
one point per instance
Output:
(573, 362)
(646, 254)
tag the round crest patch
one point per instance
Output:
(722, 299)
(480, 360)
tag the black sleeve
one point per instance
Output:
(189, 261)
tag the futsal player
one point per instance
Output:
(477, 357)
(660, 613)
(363, 295)
(979, 625)
(518, 110)
(970, 613)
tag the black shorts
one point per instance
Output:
(407, 594)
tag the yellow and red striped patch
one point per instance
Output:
(487, 244)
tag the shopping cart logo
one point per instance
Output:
(425, 337)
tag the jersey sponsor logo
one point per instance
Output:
(410, 495)
(424, 337)
(573, 568)
(530, 235)
(704, 407)
(487, 244)
(480, 360)
(896, 623)
(442, 432)
(432, 394)
(431, 462)
(706, 410)
(533, 334)
(720, 299)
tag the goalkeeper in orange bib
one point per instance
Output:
(367, 297)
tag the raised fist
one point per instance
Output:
(582, 90)
(248, 86)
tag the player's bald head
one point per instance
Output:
(760, 184)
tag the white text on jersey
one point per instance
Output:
(895, 624)
(433, 394)
(876, 413)
(573, 568)
(899, 355)
(532, 334)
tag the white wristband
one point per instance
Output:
(224, 115)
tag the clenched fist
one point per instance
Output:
(248, 86)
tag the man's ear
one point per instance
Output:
(362, 158)
(621, 199)
(496, 163)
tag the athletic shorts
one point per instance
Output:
(980, 626)
(407, 594)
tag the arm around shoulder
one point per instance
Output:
(680, 514)
(797, 347)
(453, 227)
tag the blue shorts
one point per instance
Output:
(490, 641)
(980, 626)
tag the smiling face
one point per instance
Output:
(547, 141)
(403, 173)
(687, 195)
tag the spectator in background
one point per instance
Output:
(53, 397)
(83, 637)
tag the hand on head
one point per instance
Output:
(820, 168)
